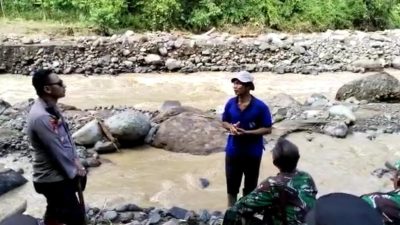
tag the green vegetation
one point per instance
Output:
(201, 15)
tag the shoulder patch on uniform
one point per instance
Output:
(54, 124)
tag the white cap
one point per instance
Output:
(243, 76)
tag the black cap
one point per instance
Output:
(343, 209)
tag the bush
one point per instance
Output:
(200, 15)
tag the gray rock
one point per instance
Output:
(368, 64)
(154, 217)
(173, 64)
(169, 104)
(128, 126)
(316, 98)
(177, 212)
(110, 216)
(204, 183)
(135, 223)
(282, 100)
(172, 221)
(89, 134)
(126, 52)
(181, 134)
(380, 87)
(126, 217)
(27, 41)
(129, 207)
(129, 33)
(128, 63)
(396, 62)
(204, 215)
(114, 59)
(9, 180)
(341, 110)
(336, 129)
(163, 51)
(153, 59)
(105, 147)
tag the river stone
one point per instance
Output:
(89, 134)
(336, 129)
(4, 105)
(126, 217)
(316, 99)
(172, 221)
(204, 183)
(110, 215)
(191, 132)
(153, 59)
(177, 212)
(105, 147)
(282, 100)
(368, 64)
(204, 215)
(154, 217)
(341, 110)
(9, 180)
(128, 126)
(380, 87)
(173, 64)
(169, 104)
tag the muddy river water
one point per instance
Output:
(153, 177)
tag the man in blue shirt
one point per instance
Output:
(247, 119)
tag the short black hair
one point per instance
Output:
(286, 155)
(40, 79)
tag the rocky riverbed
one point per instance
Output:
(372, 109)
(331, 51)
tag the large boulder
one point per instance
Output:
(282, 106)
(128, 126)
(191, 132)
(381, 87)
(88, 134)
(9, 180)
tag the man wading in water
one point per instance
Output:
(57, 171)
(247, 119)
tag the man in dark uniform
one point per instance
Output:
(387, 204)
(284, 199)
(56, 166)
(247, 119)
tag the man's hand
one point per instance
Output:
(233, 128)
(241, 131)
(80, 168)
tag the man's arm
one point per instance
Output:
(47, 132)
(257, 200)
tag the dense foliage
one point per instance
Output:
(200, 15)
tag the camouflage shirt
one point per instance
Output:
(387, 204)
(297, 190)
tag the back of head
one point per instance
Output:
(342, 209)
(285, 155)
(19, 219)
(40, 79)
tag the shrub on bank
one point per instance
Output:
(200, 15)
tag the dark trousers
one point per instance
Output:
(62, 203)
(236, 167)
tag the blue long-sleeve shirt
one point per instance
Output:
(54, 151)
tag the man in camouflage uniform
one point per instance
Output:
(387, 204)
(283, 199)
